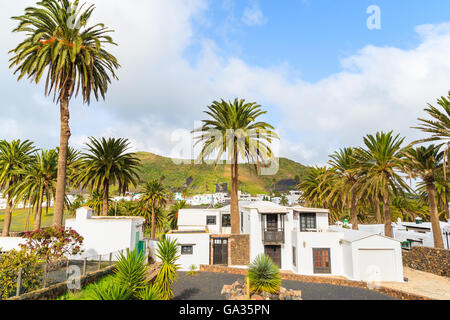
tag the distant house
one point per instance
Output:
(297, 239)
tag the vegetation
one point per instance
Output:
(10, 263)
(74, 56)
(264, 275)
(233, 130)
(130, 271)
(167, 253)
(154, 197)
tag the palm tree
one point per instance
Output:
(95, 201)
(14, 156)
(39, 179)
(439, 127)
(154, 196)
(233, 129)
(174, 211)
(344, 162)
(425, 162)
(378, 166)
(108, 163)
(59, 41)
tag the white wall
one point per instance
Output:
(9, 243)
(201, 249)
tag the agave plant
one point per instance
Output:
(264, 275)
(110, 291)
(168, 253)
(149, 293)
(130, 270)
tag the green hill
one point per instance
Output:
(203, 178)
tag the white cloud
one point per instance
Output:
(160, 91)
(253, 15)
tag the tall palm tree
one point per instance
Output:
(154, 197)
(235, 131)
(60, 42)
(439, 127)
(378, 166)
(14, 156)
(95, 202)
(174, 211)
(39, 178)
(425, 162)
(344, 163)
(108, 163)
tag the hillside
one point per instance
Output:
(203, 178)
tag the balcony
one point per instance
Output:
(271, 236)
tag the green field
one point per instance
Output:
(20, 216)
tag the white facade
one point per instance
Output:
(299, 240)
(105, 235)
(11, 243)
(197, 244)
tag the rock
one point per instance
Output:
(283, 290)
(226, 289)
(239, 298)
(297, 293)
(257, 297)
(235, 285)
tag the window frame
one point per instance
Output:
(211, 224)
(228, 217)
(309, 219)
(321, 269)
(187, 246)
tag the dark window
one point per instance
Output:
(272, 222)
(294, 256)
(211, 220)
(187, 249)
(308, 222)
(322, 261)
(226, 220)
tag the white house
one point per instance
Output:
(297, 239)
(105, 235)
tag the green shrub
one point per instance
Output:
(111, 290)
(10, 263)
(264, 275)
(130, 270)
(149, 293)
(192, 271)
(167, 252)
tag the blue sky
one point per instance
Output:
(325, 79)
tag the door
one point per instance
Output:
(274, 252)
(376, 265)
(322, 261)
(220, 251)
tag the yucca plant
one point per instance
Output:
(192, 271)
(130, 270)
(110, 291)
(167, 252)
(149, 293)
(264, 275)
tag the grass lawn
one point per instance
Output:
(20, 216)
(85, 293)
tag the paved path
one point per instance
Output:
(207, 286)
(423, 283)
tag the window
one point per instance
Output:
(226, 220)
(211, 220)
(294, 256)
(322, 261)
(308, 222)
(187, 249)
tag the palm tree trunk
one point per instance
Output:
(377, 210)
(38, 214)
(354, 212)
(105, 198)
(234, 206)
(446, 205)
(62, 160)
(152, 234)
(27, 222)
(8, 217)
(437, 235)
(387, 214)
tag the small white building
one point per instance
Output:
(297, 239)
(105, 235)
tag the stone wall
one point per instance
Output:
(436, 261)
(240, 250)
(325, 280)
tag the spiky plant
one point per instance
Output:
(130, 270)
(149, 293)
(110, 291)
(264, 275)
(167, 252)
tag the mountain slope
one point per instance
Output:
(202, 178)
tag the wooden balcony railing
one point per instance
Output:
(273, 236)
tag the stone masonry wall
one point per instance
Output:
(436, 261)
(240, 250)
